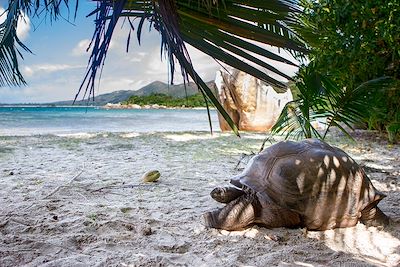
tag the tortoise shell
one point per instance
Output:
(320, 182)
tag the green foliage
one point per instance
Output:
(385, 115)
(196, 100)
(321, 101)
(296, 118)
(354, 42)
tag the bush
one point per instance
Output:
(196, 100)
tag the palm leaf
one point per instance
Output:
(320, 99)
(294, 124)
(9, 69)
(10, 45)
(231, 31)
(353, 106)
(298, 116)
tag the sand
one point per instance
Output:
(77, 200)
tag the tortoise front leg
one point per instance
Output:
(236, 215)
(226, 194)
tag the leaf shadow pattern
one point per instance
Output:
(373, 245)
(341, 191)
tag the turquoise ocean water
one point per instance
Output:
(70, 120)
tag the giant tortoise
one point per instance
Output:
(298, 184)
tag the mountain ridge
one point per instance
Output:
(156, 87)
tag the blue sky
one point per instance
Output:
(55, 70)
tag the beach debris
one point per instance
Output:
(304, 231)
(151, 176)
(146, 230)
(244, 159)
(122, 186)
(298, 184)
(64, 185)
(8, 172)
(125, 209)
(275, 238)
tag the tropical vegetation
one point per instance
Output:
(321, 104)
(353, 41)
(355, 66)
(192, 101)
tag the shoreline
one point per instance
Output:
(43, 106)
(109, 106)
(112, 106)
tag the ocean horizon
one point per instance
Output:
(22, 120)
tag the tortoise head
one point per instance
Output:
(250, 180)
(249, 209)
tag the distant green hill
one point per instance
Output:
(174, 91)
(192, 101)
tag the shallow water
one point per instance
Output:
(83, 120)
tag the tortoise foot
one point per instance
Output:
(209, 221)
(236, 215)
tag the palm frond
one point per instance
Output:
(354, 105)
(322, 100)
(10, 45)
(298, 116)
(293, 123)
(9, 69)
(231, 31)
(235, 32)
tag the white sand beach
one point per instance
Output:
(77, 200)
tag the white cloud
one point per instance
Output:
(109, 84)
(154, 64)
(41, 93)
(205, 66)
(38, 69)
(142, 64)
(81, 47)
(58, 77)
(27, 71)
(24, 24)
(138, 56)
